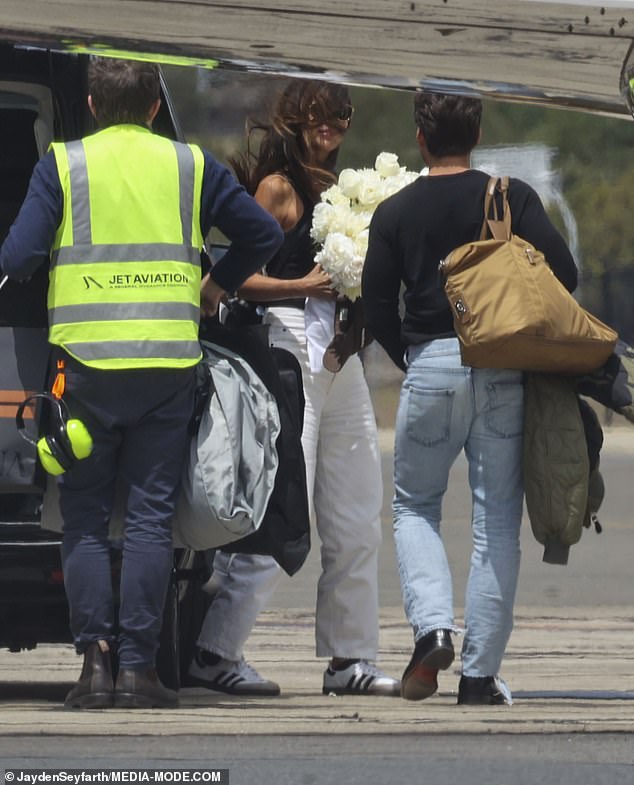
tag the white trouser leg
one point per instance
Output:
(343, 470)
(245, 583)
(347, 498)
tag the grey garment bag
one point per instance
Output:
(230, 472)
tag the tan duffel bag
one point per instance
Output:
(510, 310)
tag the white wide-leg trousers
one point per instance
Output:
(343, 470)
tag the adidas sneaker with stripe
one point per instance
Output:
(230, 677)
(360, 678)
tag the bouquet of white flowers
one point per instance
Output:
(342, 217)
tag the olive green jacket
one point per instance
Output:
(563, 488)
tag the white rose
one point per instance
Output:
(386, 164)
(349, 183)
(371, 189)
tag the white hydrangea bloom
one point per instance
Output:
(337, 252)
(361, 243)
(322, 221)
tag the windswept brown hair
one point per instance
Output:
(449, 123)
(282, 146)
(122, 91)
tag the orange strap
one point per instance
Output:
(59, 385)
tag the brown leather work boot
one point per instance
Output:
(95, 689)
(142, 689)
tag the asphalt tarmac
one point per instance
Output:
(570, 665)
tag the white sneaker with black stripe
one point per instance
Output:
(230, 677)
(360, 678)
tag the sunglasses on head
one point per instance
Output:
(344, 114)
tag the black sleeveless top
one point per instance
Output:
(296, 256)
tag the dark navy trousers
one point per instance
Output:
(138, 420)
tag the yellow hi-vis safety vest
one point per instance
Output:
(124, 286)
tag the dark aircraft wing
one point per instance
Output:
(571, 53)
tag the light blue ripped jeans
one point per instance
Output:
(445, 407)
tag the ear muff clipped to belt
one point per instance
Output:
(68, 439)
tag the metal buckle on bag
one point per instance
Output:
(461, 307)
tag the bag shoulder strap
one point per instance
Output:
(498, 228)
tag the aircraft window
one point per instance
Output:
(35, 98)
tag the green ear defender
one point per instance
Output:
(67, 441)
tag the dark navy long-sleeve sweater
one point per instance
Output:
(417, 227)
(254, 234)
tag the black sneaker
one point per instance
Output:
(483, 691)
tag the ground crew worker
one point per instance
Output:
(123, 214)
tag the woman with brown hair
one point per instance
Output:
(295, 163)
